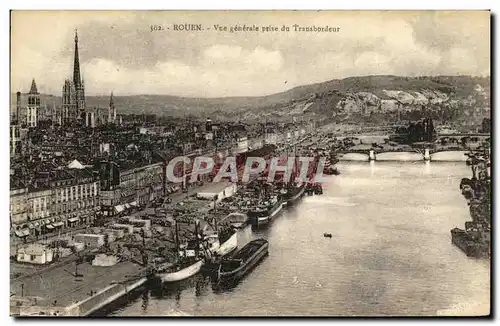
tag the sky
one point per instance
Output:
(120, 53)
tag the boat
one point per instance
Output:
(472, 248)
(314, 188)
(265, 210)
(237, 220)
(294, 193)
(178, 272)
(331, 170)
(294, 190)
(222, 243)
(310, 189)
(189, 260)
(234, 268)
(318, 190)
(211, 264)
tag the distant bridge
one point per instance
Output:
(481, 136)
(449, 155)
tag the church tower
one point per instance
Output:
(78, 81)
(73, 93)
(69, 110)
(111, 110)
(33, 108)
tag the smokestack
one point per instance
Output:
(18, 106)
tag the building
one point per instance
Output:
(90, 119)
(129, 184)
(33, 108)
(112, 178)
(219, 190)
(242, 144)
(149, 182)
(56, 199)
(271, 137)
(19, 207)
(15, 139)
(69, 112)
(78, 81)
(73, 92)
(35, 254)
(76, 196)
(17, 115)
(90, 240)
(39, 201)
(111, 110)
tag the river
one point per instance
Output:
(390, 253)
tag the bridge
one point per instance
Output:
(405, 154)
(459, 136)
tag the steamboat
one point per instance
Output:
(265, 210)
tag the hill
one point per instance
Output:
(341, 98)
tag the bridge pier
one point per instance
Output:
(371, 156)
(427, 155)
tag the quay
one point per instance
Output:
(58, 292)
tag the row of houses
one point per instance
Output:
(61, 197)
(56, 199)
(126, 184)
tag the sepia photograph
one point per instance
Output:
(301, 163)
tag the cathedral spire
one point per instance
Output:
(111, 102)
(76, 64)
(33, 89)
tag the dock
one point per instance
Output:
(58, 292)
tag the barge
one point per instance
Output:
(234, 268)
(471, 247)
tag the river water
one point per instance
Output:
(390, 253)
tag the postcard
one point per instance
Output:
(250, 163)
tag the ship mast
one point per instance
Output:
(294, 170)
(184, 186)
(177, 245)
(286, 157)
(215, 215)
(196, 232)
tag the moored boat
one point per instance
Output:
(331, 170)
(265, 210)
(235, 267)
(294, 190)
(189, 259)
(466, 243)
(178, 272)
(237, 220)
(294, 193)
(222, 243)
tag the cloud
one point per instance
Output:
(221, 67)
(253, 61)
(119, 52)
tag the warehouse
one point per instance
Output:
(220, 189)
